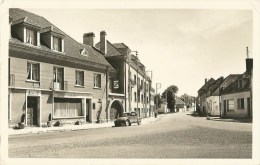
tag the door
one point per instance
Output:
(225, 108)
(32, 105)
(87, 109)
(248, 107)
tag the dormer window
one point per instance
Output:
(53, 38)
(57, 44)
(26, 30)
(83, 52)
(31, 37)
(240, 84)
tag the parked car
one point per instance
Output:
(127, 119)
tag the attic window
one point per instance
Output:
(31, 37)
(240, 84)
(83, 52)
(57, 44)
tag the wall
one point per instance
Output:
(213, 102)
(18, 67)
(17, 105)
(237, 112)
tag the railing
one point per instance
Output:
(59, 85)
(11, 80)
(140, 87)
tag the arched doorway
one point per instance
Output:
(116, 109)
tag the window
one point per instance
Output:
(31, 37)
(97, 80)
(135, 96)
(142, 98)
(135, 78)
(57, 44)
(67, 107)
(80, 78)
(240, 103)
(58, 74)
(33, 71)
(240, 84)
(230, 104)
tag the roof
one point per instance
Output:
(233, 87)
(25, 20)
(71, 47)
(206, 85)
(214, 86)
(111, 50)
(228, 80)
(120, 45)
(179, 101)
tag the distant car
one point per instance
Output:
(127, 119)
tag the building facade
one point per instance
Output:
(133, 85)
(51, 76)
(236, 99)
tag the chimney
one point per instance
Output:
(88, 39)
(249, 62)
(249, 65)
(206, 81)
(103, 42)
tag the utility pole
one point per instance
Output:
(158, 86)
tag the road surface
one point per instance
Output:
(177, 135)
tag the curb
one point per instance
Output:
(40, 130)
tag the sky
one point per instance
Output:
(181, 47)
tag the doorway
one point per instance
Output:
(116, 110)
(32, 111)
(87, 110)
(248, 107)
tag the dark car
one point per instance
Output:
(127, 119)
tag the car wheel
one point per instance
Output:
(139, 122)
(127, 123)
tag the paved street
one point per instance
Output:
(177, 135)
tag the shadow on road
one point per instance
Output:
(238, 120)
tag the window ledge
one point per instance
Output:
(97, 88)
(31, 45)
(79, 86)
(32, 81)
(56, 51)
(72, 117)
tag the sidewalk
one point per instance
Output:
(70, 127)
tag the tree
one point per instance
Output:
(170, 93)
(160, 101)
(188, 99)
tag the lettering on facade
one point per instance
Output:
(116, 84)
(70, 94)
(33, 93)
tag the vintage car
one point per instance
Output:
(127, 119)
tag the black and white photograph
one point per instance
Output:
(122, 82)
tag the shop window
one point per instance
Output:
(240, 103)
(80, 78)
(67, 107)
(97, 80)
(33, 71)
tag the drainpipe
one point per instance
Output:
(125, 80)
(107, 93)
